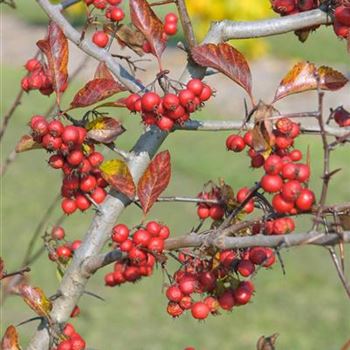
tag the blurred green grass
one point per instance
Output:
(307, 306)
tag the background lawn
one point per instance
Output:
(307, 306)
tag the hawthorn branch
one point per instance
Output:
(227, 30)
(219, 125)
(186, 23)
(283, 241)
(54, 12)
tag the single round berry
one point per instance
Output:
(226, 300)
(273, 164)
(245, 268)
(235, 143)
(56, 128)
(171, 18)
(305, 200)
(95, 159)
(68, 206)
(200, 310)
(281, 205)
(116, 14)
(57, 233)
(271, 183)
(100, 38)
(291, 190)
(173, 293)
(120, 233)
(170, 28)
(150, 101)
(75, 157)
(70, 135)
(88, 183)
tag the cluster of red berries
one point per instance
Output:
(78, 161)
(170, 28)
(73, 340)
(65, 251)
(217, 280)
(341, 23)
(342, 117)
(206, 210)
(284, 176)
(37, 78)
(141, 249)
(290, 7)
(171, 108)
(112, 12)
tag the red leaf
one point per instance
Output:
(55, 48)
(117, 174)
(303, 77)
(104, 129)
(227, 60)
(154, 181)
(147, 22)
(10, 339)
(27, 143)
(94, 91)
(36, 300)
(102, 72)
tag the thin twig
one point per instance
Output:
(339, 270)
(19, 272)
(186, 23)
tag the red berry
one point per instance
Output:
(212, 303)
(257, 255)
(291, 190)
(141, 237)
(68, 206)
(164, 232)
(171, 18)
(120, 233)
(56, 161)
(226, 300)
(57, 232)
(100, 4)
(109, 280)
(302, 172)
(284, 125)
(116, 14)
(171, 102)
(305, 200)
(136, 255)
(284, 7)
(273, 165)
(150, 101)
(165, 123)
(70, 135)
(271, 183)
(270, 257)
(170, 28)
(248, 138)
(75, 157)
(203, 212)
(289, 171)
(307, 5)
(174, 309)
(63, 252)
(114, 2)
(153, 228)
(227, 257)
(342, 117)
(68, 330)
(196, 86)
(56, 128)
(126, 246)
(76, 244)
(242, 295)
(25, 84)
(156, 245)
(35, 81)
(40, 127)
(207, 279)
(95, 159)
(82, 202)
(216, 212)
(280, 205)
(32, 65)
(131, 273)
(283, 142)
(296, 155)
(235, 143)
(257, 161)
(98, 195)
(186, 98)
(245, 268)
(51, 143)
(65, 345)
(342, 15)
(88, 183)
(173, 293)
(200, 310)
(78, 343)
(206, 93)
(100, 39)
(295, 131)
(186, 302)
